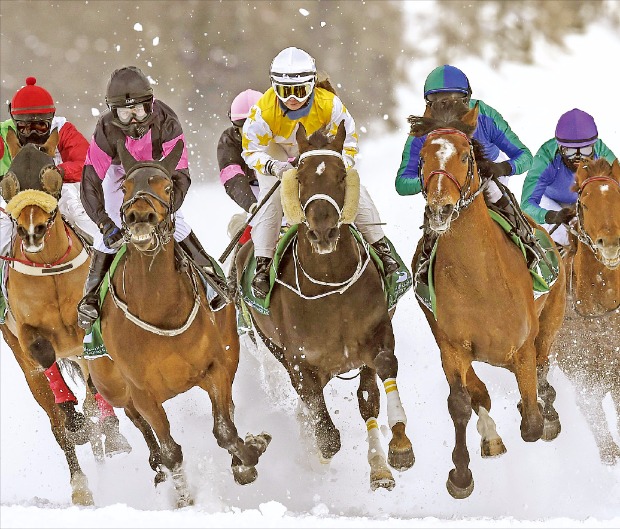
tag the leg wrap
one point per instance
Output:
(374, 439)
(396, 412)
(105, 409)
(59, 387)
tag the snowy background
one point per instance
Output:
(557, 484)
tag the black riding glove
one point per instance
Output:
(564, 216)
(490, 169)
(112, 235)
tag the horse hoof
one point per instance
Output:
(380, 475)
(185, 501)
(382, 483)
(459, 493)
(610, 454)
(244, 475)
(83, 498)
(551, 430)
(160, 477)
(260, 442)
(401, 460)
(492, 447)
(116, 445)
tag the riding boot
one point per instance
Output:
(260, 283)
(88, 307)
(192, 246)
(429, 237)
(390, 265)
(521, 228)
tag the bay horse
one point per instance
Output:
(161, 336)
(327, 311)
(485, 307)
(587, 345)
(45, 278)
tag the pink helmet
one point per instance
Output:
(241, 105)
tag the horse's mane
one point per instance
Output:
(320, 138)
(600, 167)
(444, 114)
(323, 81)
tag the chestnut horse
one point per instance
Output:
(485, 307)
(177, 343)
(587, 345)
(46, 275)
(327, 312)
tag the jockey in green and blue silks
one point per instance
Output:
(499, 142)
(548, 195)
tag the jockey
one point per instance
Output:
(33, 120)
(149, 129)
(500, 144)
(269, 147)
(548, 195)
(237, 178)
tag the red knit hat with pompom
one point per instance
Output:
(32, 99)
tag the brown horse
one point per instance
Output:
(485, 307)
(177, 342)
(327, 312)
(587, 345)
(46, 274)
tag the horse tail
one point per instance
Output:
(72, 369)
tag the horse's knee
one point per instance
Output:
(386, 364)
(459, 403)
(43, 352)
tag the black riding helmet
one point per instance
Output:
(128, 87)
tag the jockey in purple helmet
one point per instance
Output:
(547, 194)
(507, 155)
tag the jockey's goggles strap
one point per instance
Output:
(320, 152)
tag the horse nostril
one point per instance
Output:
(39, 231)
(332, 234)
(131, 218)
(152, 218)
(22, 232)
(312, 236)
(446, 210)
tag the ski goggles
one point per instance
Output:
(574, 152)
(299, 92)
(138, 112)
(38, 127)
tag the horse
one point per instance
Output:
(587, 346)
(327, 312)
(177, 342)
(485, 308)
(45, 278)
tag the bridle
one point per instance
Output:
(466, 195)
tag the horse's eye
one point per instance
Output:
(168, 189)
(464, 157)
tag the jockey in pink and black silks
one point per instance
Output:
(149, 129)
(548, 195)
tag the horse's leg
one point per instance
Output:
(155, 461)
(39, 387)
(590, 401)
(546, 392)
(171, 452)
(524, 367)
(400, 451)
(245, 454)
(368, 399)
(491, 444)
(460, 482)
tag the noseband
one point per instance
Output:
(321, 196)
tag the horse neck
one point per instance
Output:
(594, 286)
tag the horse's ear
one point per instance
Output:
(51, 180)
(615, 170)
(12, 142)
(9, 186)
(341, 135)
(49, 147)
(471, 118)
(171, 161)
(302, 139)
(581, 173)
(127, 160)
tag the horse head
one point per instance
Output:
(31, 188)
(321, 193)
(148, 200)
(598, 209)
(447, 167)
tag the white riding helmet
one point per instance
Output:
(293, 74)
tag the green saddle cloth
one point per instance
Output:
(394, 286)
(543, 275)
(93, 342)
(3, 305)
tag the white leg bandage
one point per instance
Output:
(396, 412)
(374, 439)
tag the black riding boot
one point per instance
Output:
(522, 228)
(390, 265)
(428, 242)
(88, 307)
(260, 283)
(192, 246)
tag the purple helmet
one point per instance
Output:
(576, 128)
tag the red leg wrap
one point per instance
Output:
(105, 410)
(59, 388)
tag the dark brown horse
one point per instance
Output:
(46, 275)
(328, 313)
(587, 345)
(485, 307)
(161, 335)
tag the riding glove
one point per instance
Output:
(564, 216)
(490, 169)
(112, 235)
(277, 168)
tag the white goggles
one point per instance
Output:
(300, 92)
